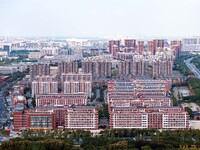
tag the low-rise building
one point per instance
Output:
(81, 117)
(33, 121)
(146, 93)
(51, 117)
(19, 100)
(61, 99)
(35, 55)
(3, 53)
(191, 44)
(3, 78)
(153, 118)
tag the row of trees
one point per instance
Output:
(196, 61)
(102, 143)
(103, 112)
(10, 61)
(180, 65)
(21, 144)
(142, 139)
(112, 139)
(194, 84)
(22, 52)
(102, 89)
(101, 94)
(46, 140)
(17, 75)
(2, 84)
(154, 134)
(55, 134)
(14, 77)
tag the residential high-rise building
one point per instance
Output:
(77, 83)
(159, 43)
(97, 68)
(68, 67)
(151, 47)
(114, 46)
(130, 43)
(176, 47)
(140, 47)
(162, 67)
(39, 69)
(158, 65)
(163, 64)
(124, 67)
(114, 50)
(44, 85)
(134, 67)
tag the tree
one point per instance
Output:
(65, 133)
(26, 89)
(115, 72)
(33, 102)
(146, 147)
(6, 93)
(105, 111)
(27, 134)
(40, 145)
(119, 145)
(189, 110)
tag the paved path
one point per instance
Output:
(192, 67)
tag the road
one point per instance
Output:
(176, 93)
(4, 115)
(192, 67)
(3, 109)
(97, 93)
(97, 103)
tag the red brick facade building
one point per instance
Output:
(50, 118)
(61, 99)
(33, 121)
(143, 118)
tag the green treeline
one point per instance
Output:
(36, 145)
(109, 139)
(134, 139)
(180, 65)
(22, 52)
(196, 61)
(194, 85)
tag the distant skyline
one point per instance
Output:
(100, 18)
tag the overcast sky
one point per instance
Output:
(100, 18)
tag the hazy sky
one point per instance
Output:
(100, 18)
